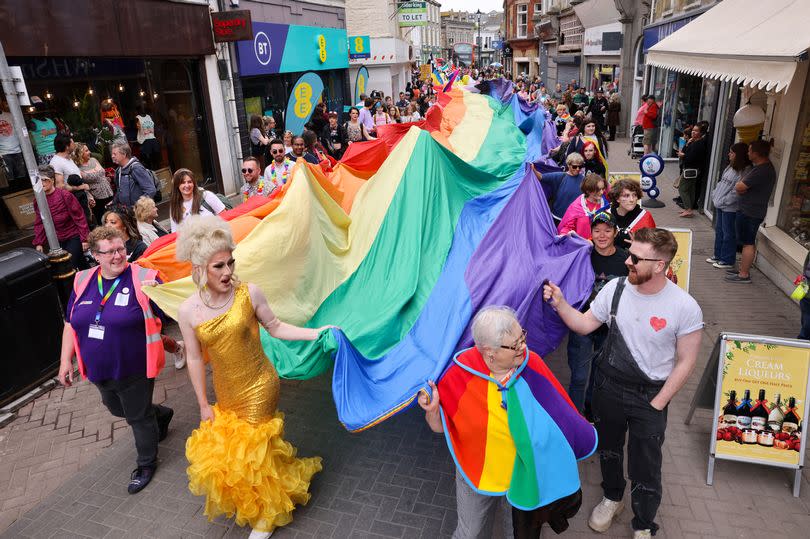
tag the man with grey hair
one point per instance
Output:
(501, 408)
(562, 188)
(132, 179)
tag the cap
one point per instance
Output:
(603, 217)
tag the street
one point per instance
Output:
(65, 461)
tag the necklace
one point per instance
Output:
(218, 307)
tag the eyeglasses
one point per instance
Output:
(275, 152)
(247, 171)
(636, 259)
(113, 252)
(577, 167)
(519, 344)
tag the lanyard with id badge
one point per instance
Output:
(96, 330)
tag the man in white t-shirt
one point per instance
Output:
(652, 345)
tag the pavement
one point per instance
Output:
(65, 461)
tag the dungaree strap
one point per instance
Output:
(617, 295)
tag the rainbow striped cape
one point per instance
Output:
(522, 439)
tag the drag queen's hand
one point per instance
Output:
(206, 413)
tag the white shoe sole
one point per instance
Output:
(606, 527)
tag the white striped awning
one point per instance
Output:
(751, 42)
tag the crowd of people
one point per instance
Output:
(631, 346)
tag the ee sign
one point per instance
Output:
(262, 48)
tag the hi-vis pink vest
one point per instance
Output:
(155, 356)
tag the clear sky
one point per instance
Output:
(471, 5)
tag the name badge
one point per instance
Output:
(121, 300)
(96, 332)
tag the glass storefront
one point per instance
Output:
(70, 94)
(684, 100)
(794, 215)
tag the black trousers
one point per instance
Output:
(529, 524)
(617, 408)
(74, 247)
(131, 398)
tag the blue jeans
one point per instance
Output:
(725, 236)
(804, 305)
(581, 350)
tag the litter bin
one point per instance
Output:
(31, 322)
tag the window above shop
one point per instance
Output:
(522, 20)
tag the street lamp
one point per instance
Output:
(480, 49)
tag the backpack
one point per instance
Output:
(158, 196)
(222, 198)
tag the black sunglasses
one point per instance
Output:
(247, 170)
(576, 166)
(636, 259)
(521, 341)
(275, 152)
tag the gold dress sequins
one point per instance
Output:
(240, 460)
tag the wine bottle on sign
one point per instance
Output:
(759, 414)
(776, 416)
(730, 411)
(744, 411)
(791, 422)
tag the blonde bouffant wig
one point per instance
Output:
(199, 237)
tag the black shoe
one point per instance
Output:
(679, 200)
(163, 423)
(140, 477)
(680, 205)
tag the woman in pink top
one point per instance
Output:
(578, 216)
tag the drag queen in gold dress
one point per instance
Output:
(237, 457)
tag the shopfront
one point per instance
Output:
(602, 49)
(124, 61)
(278, 55)
(760, 64)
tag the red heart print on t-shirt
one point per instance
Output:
(658, 323)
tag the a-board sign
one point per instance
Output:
(760, 402)
(681, 265)
(613, 177)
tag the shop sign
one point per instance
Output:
(305, 94)
(282, 48)
(231, 25)
(359, 47)
(360, 83)
(603, 40)
(412, 13)
(752, 424)
(657, 33)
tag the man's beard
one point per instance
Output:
(636, 278)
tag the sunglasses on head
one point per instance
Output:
(247, 170)
(635, 259)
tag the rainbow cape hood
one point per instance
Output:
(522, 439)
(399, 245)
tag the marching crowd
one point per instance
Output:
(631, 346)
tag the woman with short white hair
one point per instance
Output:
(512, 430)
(146, 214)
(223, 317)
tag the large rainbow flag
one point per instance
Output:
(399, 245)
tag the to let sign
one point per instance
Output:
(231, 26)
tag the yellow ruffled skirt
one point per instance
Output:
(248, 470)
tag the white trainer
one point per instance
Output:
(254, 534)
(642, 534)
(180, 355)
(603, 514)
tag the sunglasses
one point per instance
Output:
(247, 170)
(276, 152)
(577, 167)
(520, 342)
(636, 259)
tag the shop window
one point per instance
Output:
(794, 215)
(522, 20)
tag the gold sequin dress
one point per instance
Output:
(240, 460)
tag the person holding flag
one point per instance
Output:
(577, 218)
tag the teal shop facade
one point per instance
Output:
(290, 38)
